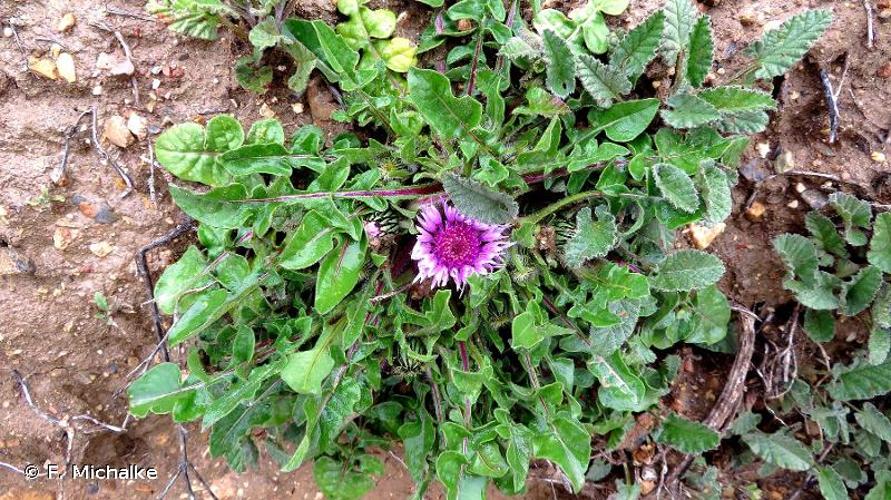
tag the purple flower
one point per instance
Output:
(451, 245)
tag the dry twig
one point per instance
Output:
(111, 9)
(725, 408)
(870, 29)
(58, 173)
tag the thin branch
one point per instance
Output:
(724, 409)
(127, 53)
(125, 13)
(831, 104)
(58, 173)
(870, 29)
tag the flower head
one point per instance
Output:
(451, 245)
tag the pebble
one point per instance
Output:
(815, 199)
(117, 133)
(65, 67)
(756, 211)
(793, 204)
(97, 90)
(763, 149)
(703, 236)
(800, 187)
(101, 249)
(12, 262)
(884, 71)
(43, 67)
(138, 125)
(66, 23)
(878, 157)
(7, 32)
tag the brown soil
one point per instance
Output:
(74, 362)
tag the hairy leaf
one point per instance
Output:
(561, 66)
(591, 239)
(638, 47)
(604, 83)
(676, 186)
(479, 202)
(780, 450)
(687, 270)
(779, 49)
(687, 436)
(699, 60)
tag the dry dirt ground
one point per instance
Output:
(62, 242)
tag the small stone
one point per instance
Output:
(795, 95)
(785, 162)
(266, 111)
(12, 262)
(43, 67)
(97, 90)
(63, 236)
(117, 133)
(800, 188)
(115, 65)
(156, 84)
(465, 25)
(793, 204)
(66, 23)
(138, 125)
(8, 32)
(884, 71)
(756, 211)
(748, 19)
(703, 236)
(815, 199)
(101, 248)
(65, 67)
(878, 157)
(763, 149)
(297, 107)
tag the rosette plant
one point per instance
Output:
(484, 271)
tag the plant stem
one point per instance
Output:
(554, 207)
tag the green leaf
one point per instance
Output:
(800, 256)
(858, 293)
(862, 382)
(687, 270)
(206, 309)
(190, 152)
(341, 481)
(476, 201)
(819, 325)
(676, 186)
(449, 116)
(879, 344)
(701, 56)
(339, 273)
(306, 370)
(267, 131)
(680, 17)
(689, 111)
(624, 121)
(781, 48)
(398, 53)
(591, 239)
(157, 390)
(855, 214)
(879, 253)
(687, 436)
(832, 486)
(264, 35)
(716, 194)
(184, 275)
(825, 234)
(874, 421)
(638, 47)
(561, 65)
(214, 208)
(620, 389)
(190, 19)
(418, 438)
(780, 450)
(604, 83)
(712, 315)
(743, 122)
(568, 445)
(731, 99)
(312, 240)
(253, 159)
